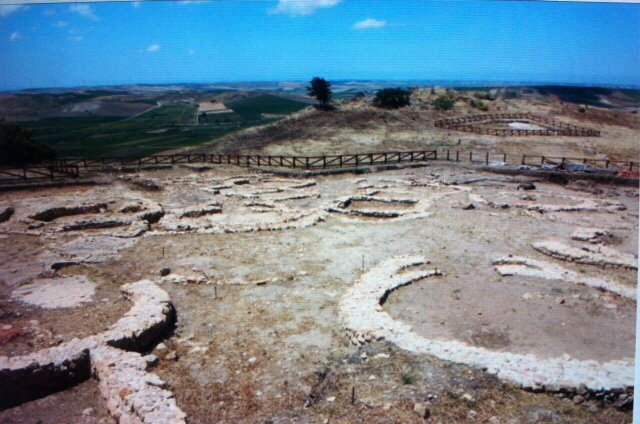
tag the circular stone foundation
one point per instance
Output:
(484, 331)
(369, 206)
(553, 320)
(50, 311)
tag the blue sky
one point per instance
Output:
(163, 42)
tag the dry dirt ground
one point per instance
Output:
(358, 127)
(259, 265)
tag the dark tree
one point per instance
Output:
(392, 98)
(320, 88)
(443, 102)
(17, 147)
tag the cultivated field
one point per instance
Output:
(97, 123)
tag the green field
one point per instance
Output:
(252, 108)
(164, 128)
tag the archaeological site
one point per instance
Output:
(430, 290)
(319, 211)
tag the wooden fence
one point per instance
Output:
(73, 168)
(39, 173)
(466, 123)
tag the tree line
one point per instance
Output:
(387, 98)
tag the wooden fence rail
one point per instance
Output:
(72, 168)
(467, 123)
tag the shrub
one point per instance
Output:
(392, 98)
(17, 147)
(407, 379)
(479, 104)
(482, 95)
(443, 102)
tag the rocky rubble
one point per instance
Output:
(526, 267)
(592, 255)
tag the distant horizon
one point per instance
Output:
(50, 46)
(424, 83)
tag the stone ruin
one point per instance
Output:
(88, 232)
(132, 394)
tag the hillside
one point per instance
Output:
(357, 126)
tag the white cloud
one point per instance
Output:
(60, 24)
(76, 38)
(8, 9)
(15, 36)
(302, 7)
(370, 24)
(153, 48)
(84, 10)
